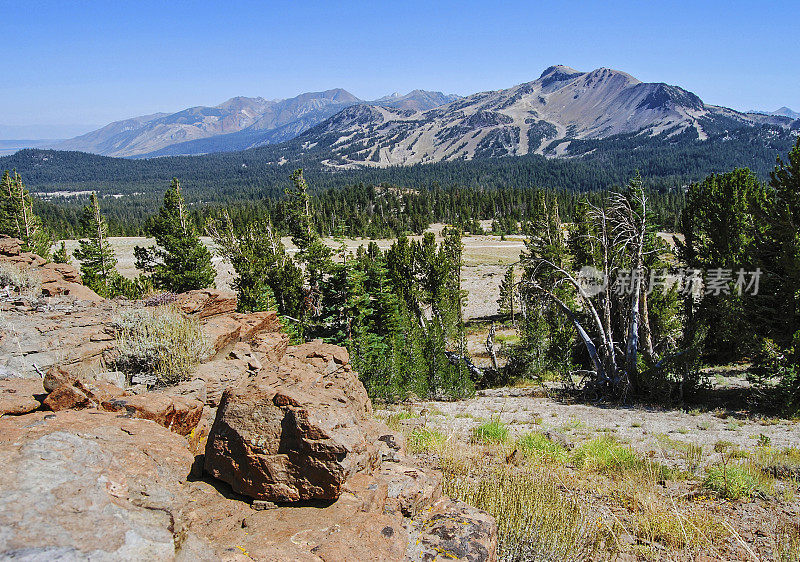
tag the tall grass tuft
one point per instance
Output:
(605, 454)
(491, 432)
(734, 480)
(159, 341)
(536, 519)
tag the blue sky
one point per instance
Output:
(88, 63)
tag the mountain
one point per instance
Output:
(416, 100)
(236, 124)
(546, 116)
(782, 112)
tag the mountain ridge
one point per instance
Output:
(544, 116)
(236, 124)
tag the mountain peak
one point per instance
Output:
(559, 69)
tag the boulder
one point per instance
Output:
(218, 375)
(296, 431)
(87, 485)
(77, 395)
(205, 303)
(221, 332)
(256, 323)
(75, 290)
(270, 346)
(177, 413)
(453, 530)
(58, 272)
(20, 396)
(10, 246)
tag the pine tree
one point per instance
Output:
(508, 299)
(61, 255)
(95, 253)
(179, 262)
(18, 219)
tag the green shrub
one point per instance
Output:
(605, 454)
(425, 440)
(732, 481)
(493, 431)
(22, 279)
(159, 341)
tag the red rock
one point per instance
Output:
(55, 272)
(218, 375)
(57, 376)
(221, 332)
(83, 485)
(271, 345)
(10, 246)
(176, 413)
(257, 322)
(295, 432)
(205, 303)
(75, 290)
(19, 396)
(453, 530)
(78, 395)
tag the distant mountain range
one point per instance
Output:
(559, 114)
(237, 124)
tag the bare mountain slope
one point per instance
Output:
(540, 117)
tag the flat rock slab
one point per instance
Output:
(20, 396)
(89, 485)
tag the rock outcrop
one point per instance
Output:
(296, 467)
(20, 396)
(56, 278)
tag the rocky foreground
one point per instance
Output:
(269, 452)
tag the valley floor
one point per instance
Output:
(485, 261)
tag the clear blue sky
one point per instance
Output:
(86, 63)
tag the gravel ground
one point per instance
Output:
(651, 431)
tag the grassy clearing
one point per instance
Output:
(24, 280)
(602, 498)
(159, 341)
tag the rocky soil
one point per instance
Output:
(267, 452)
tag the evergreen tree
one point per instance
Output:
(61, 255)
(17, 217)
(508, 298)
(95, 253)
(179, 262)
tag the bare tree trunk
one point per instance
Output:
(647, 335)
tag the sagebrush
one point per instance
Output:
(159, 341)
